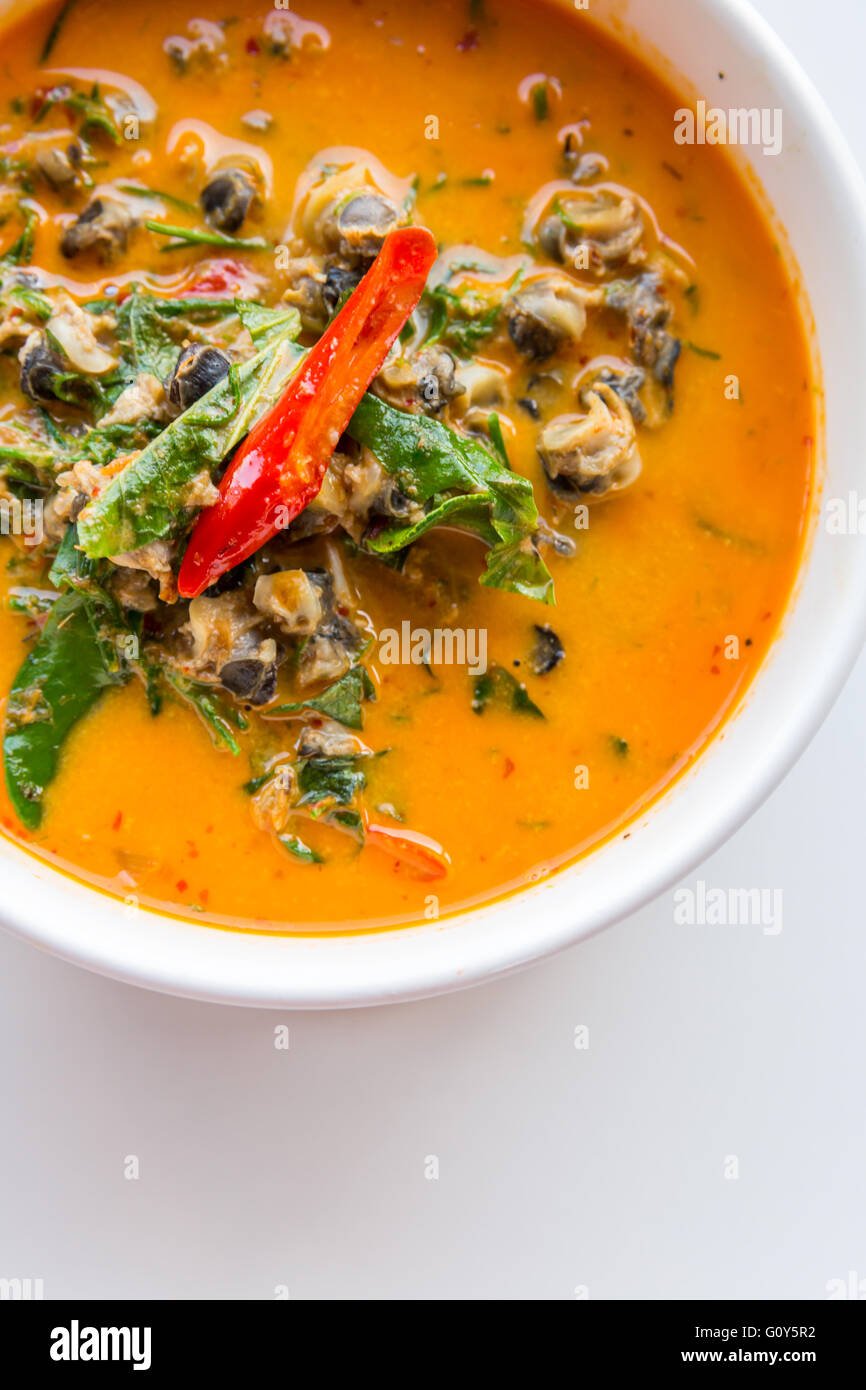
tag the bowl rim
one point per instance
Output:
(310, 971)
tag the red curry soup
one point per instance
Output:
(396, 494)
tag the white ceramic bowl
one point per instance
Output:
(818, 196)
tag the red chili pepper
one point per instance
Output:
(220, 275)
(281, 464)
(423, 857)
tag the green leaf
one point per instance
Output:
(497, 438)
(145, 502)
(152, 673)
(263, 323)
(468, 510)
(31, 460)
(94, 113)
(460, 481)
(31, 602)
(104, 443)
(298, 850)
(37, 303)
(73, 662)
(462, 319)
(21, 250)
(324, 781)
(540, 102)
(619, 746)
(341, 701)
(255, 784)
(51, 429)
(154, 348)
(517, 566)
(71, 568)
(218, 716)
(349, 820)
(498, 686)
(193, 306)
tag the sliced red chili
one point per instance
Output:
(421, 855)
(282, 463)
(218, 276)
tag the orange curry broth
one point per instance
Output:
(644, 608)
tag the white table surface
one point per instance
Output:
(559, 1168)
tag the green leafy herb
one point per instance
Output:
(196, 236)
(463, 319)
(152, 672)
(264, 324)
(216, 714)
(298, 850)
(324, 790)
(540, 102)
(38, 304)
(55, 434)
(89, 392)
(730, 537)
(349, 820)
(497, 438)
(412, 196)
(324, 782)
(341, 701)
(71, 568)
(705, 352)
(458, 480)
(619, 746)
(255, 784)
(54, 32)
(138, 190)
(194, 306)
(104, 443)
(94, 113)
(30, 461)
(146, 501)
(154, 349)
(498, 686)
(74, 660)
(21, 250)
(565, 218)
(31, 602)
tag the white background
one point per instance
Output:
(559, 1168)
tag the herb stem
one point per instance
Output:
(157, 194)
(54, 32)
(194, 236)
